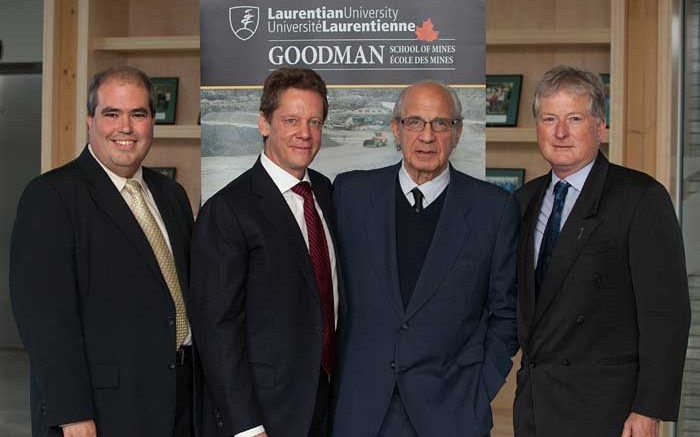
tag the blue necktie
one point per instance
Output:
(551, 233)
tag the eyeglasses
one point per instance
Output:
(437, 124)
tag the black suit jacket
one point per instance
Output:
(608, 333)
(255, 308)
(92, 307)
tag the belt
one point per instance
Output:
(183, 355)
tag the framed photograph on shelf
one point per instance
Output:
(509, 179)
(165, 171)
(165, 89)
(605, 77)
(502, 99)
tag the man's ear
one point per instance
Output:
(395, 130)
(263, 125)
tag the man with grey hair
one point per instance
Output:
(98, 277)
(428, 259)
(603, 308)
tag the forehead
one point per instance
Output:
(295, 99)
(565, 101)
(428, 98)
(116, 92)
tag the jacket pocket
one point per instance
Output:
(618, 361)
(105, 375)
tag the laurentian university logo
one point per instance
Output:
(244, 21)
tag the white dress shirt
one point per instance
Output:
(431, 190)
(576, 181)
(284, 182)
(119, 182)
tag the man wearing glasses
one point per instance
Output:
(428, 259)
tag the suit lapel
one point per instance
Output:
(381, 236)
(165, 203)
(526, 259)
(579, 227)
(452, 230)
(274, 206)
(112, 203)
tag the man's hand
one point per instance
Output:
(637, 425)
(86, 428)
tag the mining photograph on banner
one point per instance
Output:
(366, 53)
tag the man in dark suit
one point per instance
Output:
(428, 255)
(264, 281)
(603, 296)
(98, 271)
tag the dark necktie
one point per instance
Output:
(318, 249)
(551, 233)
(418, 199)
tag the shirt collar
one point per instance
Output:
(576, 180)
(283, 180)
(431, 190)
(119, 181)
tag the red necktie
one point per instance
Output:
(318, 249)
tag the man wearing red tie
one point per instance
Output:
(264, 282)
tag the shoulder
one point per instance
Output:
(626, 186)
(229, 197)
(165, 183)
(65, 179)
(481, 192)
(360, 179)
(629, 178)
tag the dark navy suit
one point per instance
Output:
(448, 350)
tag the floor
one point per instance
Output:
(14, 394)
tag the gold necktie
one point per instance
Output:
(160, 250)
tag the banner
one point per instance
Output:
(366, 52)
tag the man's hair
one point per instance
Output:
(575, 80)
(456, 109)
(122, 73)
(284, 78)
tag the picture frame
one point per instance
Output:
(510, 179)
(168, 172)
(503, 99)
(605, 77)
(165, 90)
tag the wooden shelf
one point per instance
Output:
(511, 134)
(549, 37)
(516, 135)
(148, 44)
(178, 131)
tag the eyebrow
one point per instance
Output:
(108, 109)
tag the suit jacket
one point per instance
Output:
(449, 350)
(91, 304)
(608, 332)
(256, 310)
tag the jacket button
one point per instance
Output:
(533, 365)
(565, 362)
(580, 318)
(171, 321)
(597, 279)
(404, 327)
(393, 365)
(219, 424)
(171, 365)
